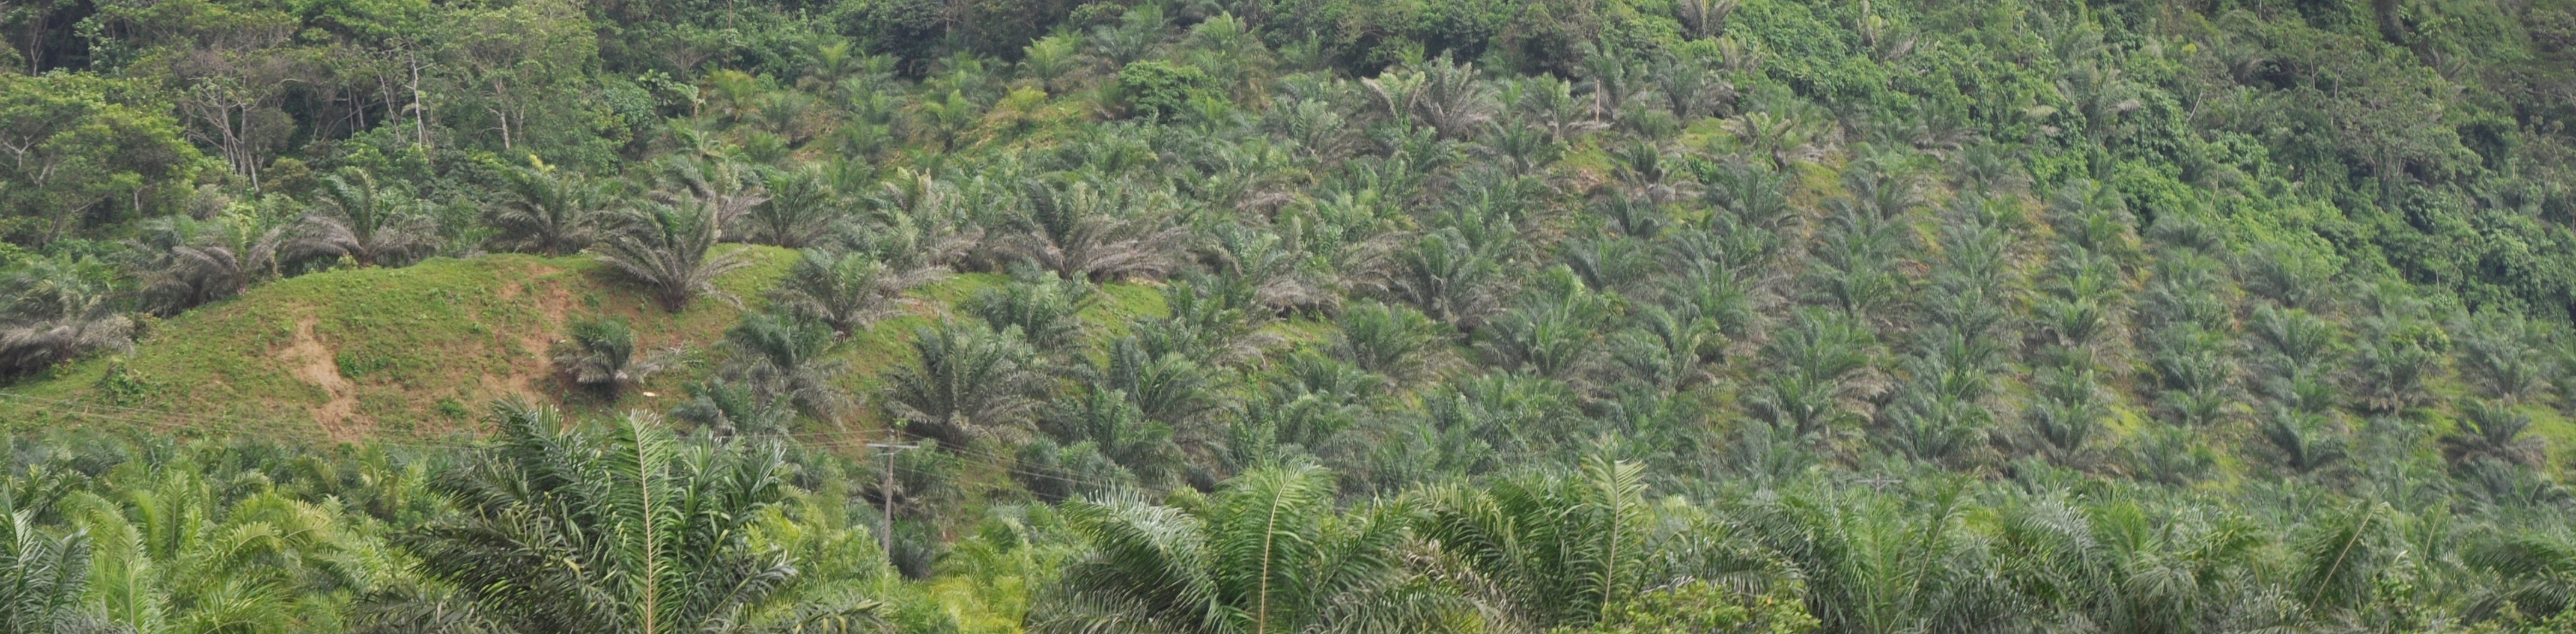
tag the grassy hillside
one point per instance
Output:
(417, 351)
(357, 352)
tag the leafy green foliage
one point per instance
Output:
(846, 291)
(1267, 553)
(45, 576)
(600, 353)
(549, 211)
(670, 247)
(84, 151)
(615, 530)
(1775, 315)
(965, 381)
(1152, 88)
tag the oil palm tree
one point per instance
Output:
(1557, 550)
(1268, 553)
(2118, 566)
(1693, 85)
(801, 210)
(548, 210)
(1096, 231)
(359, 219)
(2397, 348)
(1045, 309)
(1853, 266)
(1816, 359)
(1135, 36)
(728, 188)
(786, 359)
(1649, 172)
(2538, 567)
(846, 291)
(1611, 264)
(2503, 351)
(1283, 278)
(2080, 299)
(2094, 218)
(171, 551)
(1704, 19)
(1669, 349)
(1439, 94)
(1171, 388)
(2301, 441)
(916, 224)
(55, 311)
(1390, 340)
(2289, 276)
(1787, 137)
(565, 528)
(2067, 433)
(1884, 563)
(42, 575)
(1445, 277)
(730, 408)
(2339, 557)
(2488, 430)
(1309, 404)
(600, 353)
(2296, 352)
(1212, 322)
(1550, 336)
(184, 263)
(2193, 367)
(670, 247)
(1933, 427)
(965, 381)
(1110, 423)
(1750, 193)
(2391, 367)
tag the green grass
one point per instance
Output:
(418, 352)
(389, 345)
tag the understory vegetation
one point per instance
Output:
(1255, 316)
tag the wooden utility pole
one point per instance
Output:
(885, 530)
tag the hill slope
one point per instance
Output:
(417, 351)
(357, 352)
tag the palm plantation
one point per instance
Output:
(1287, 316)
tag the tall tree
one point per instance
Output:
(77, 150)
